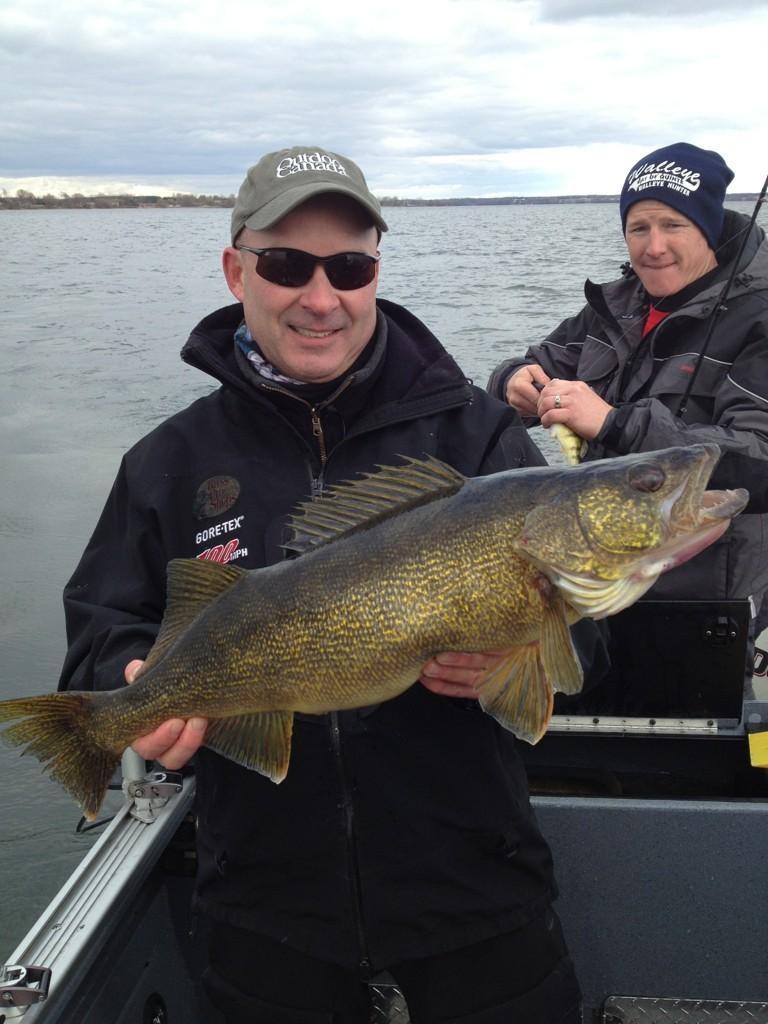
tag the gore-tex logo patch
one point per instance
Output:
(228, 550)
(216, 531)
(224, 553)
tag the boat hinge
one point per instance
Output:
(151, 792)
(21, 986)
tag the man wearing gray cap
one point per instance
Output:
(402, 837)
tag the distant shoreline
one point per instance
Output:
(24, 200)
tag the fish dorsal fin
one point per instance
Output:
(359, 504)
(193, 584)
(261, 742)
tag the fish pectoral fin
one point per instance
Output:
(192, 585)
(518, 694)
(558, 655)
(260, 742)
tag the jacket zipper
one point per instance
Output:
(650, 341)
(348, 812)
(317, 483)
(317, 430)
(317, 427)
(347, 806)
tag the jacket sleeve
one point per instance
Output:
(739, 420)
(510, 448)
(497, 382)
(558, 355)
(114, 601)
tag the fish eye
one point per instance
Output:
(647, 478)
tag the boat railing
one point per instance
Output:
(57, 953)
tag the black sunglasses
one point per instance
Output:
(293, 268)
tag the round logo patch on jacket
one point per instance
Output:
(214, 496)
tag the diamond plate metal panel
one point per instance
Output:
(388, 1004)
(644, 1010)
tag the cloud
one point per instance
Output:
(575, 10)
(476, 98)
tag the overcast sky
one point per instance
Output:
(450, 98)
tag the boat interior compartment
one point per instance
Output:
(669, 719)
(672, 660)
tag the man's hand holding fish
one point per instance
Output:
(574, 404)
(175, 741)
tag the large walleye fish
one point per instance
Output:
(394, 568)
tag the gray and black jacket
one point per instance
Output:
(645, 378)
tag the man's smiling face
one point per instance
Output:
(315, 332)
(667, 250)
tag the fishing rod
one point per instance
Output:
(572, 445)
(720, 305)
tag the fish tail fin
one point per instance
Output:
(57, 729)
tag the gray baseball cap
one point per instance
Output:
(281, 181)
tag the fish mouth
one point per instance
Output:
(695, 513)
(694, 522)
(689, 503)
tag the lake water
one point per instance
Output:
(94, 307)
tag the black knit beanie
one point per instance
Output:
(691, 180)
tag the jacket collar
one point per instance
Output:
(413, 371)
(625, 299)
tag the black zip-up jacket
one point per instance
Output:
(401, 830)
(644, 378)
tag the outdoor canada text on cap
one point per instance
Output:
(285, 179)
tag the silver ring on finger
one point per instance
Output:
(558, 403)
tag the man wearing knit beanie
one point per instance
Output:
(618, 373)
(690, 180)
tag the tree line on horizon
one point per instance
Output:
(26, 200)
(23, 199)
